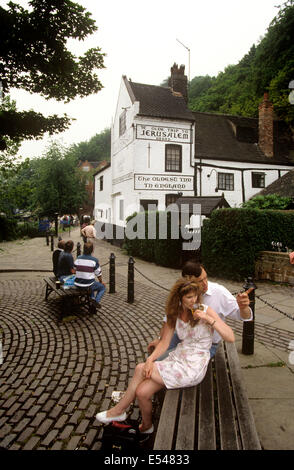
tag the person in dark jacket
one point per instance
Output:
(56, 254)
(66, 261)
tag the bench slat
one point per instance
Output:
(206, 428)
(228, 431)
(167, 422)
(186, 427)
(247, 427)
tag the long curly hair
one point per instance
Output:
(174, 301)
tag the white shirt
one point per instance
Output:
(223, 303)
(220, 299)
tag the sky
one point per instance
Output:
(142, 40)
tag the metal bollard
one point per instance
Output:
(47, 237)
(78, 249)
(112, 273)
(52, 242)
(131, 280)
(248, 326)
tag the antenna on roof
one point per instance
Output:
(188, 57)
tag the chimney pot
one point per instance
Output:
(178, 81)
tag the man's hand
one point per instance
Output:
(244, 302)
(151, 346)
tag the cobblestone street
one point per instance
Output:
(58, 373)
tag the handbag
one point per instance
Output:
(120, 437)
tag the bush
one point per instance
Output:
(8, 229)
(164, 252)
(28, 229)
(269, 201)
(11, 229)
(231, 239)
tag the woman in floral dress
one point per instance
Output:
(185, 366)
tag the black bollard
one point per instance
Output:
(112, 273)
(47, 237)
(52, 242)
(78, 249)
(248, 326)
(131, 280)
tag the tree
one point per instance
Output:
(34, 57)
(16, 187)
(59, 185)
(95, 150)
(267, 67)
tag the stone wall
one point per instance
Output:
(274, 266)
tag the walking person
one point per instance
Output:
(89, 232)
(186, 366)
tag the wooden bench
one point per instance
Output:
(213, 415)
(73, 298)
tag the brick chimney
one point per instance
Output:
(266, 126)
(178, 81)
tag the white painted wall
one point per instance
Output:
(103, 206)
(234, 198)
(133, 158)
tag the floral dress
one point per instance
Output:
(187, 364)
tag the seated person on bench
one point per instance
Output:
(87, 266)
(66, 262)
(56, 254)
(215, 296)
(186, 366)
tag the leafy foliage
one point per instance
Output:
(267, 67)
(95, 150)
(231, 239)
(34, 57)
(59, 186)
(269, 201)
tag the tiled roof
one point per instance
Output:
(283, 186)
(208, 203)
(158, 101)
(235, 138)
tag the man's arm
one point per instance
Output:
(151, 346)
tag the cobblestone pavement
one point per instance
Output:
(58, 373)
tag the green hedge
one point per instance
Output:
(164, 252)
(231, 239)
(11, 229)
(8, 229)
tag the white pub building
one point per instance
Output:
(161, 152)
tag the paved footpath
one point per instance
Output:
(57, 374)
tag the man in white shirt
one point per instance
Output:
(215, 296)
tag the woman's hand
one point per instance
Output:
(151, 346)
(148, 369)
(201, 314)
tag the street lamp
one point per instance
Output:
(208, 176)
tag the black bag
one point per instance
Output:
(119, 437)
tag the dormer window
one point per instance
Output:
(122, 122)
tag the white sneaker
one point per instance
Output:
(102, 418)
(148, 431)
